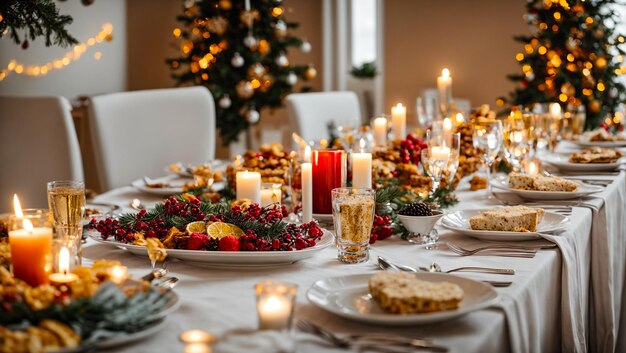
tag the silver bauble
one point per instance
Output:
(237, 60)
(252, 116)
(280, 29)
(291, 79)
(282, 60)
(225, 102)
(305, 46)
(258, 69)
(250, 41)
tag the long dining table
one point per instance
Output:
(568, 298)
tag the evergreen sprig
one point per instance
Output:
(38, 18)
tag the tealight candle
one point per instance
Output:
(361, 168)
(64, 276)
(196, 336)
(460, 119)
(380, 131)
(249, 186)
(31, 245)
(275, 304)
(118, 274)
(440, 153)
(307, 187)
(398, 120)
(533, 167)
(271, 193)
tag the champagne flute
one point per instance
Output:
(435, 161)
(66, 200)
(515, 141)
(487, 138)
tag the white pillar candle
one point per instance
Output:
(440, 153)
(362, 168)
(447, 131)
(398, 120)
(271, 195)
(307, 187)
(444, 86)
(249, 186)
(380, 131)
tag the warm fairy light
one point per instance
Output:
(176, 32)
(600, 86)
(570, 57)
(557, 16)
(97, 55)
(563, 97)
(542, 50)
(277, 11)
(555, 109)
(72, 55)
(519, 56)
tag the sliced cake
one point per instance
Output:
(540, 183)
(508, 219)
(403, 293)
(596, 155)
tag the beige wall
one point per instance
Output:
(150, 42)
(472, 38)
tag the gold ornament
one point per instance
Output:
(257, 70)
(568, 89)
(226, 4)
(598, 33)
(310, 73)
(217, 25)
(601, 62)
(244, 89)
(594, 106)
(264, 47)
(248, 17)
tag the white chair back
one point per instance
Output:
(310, 113)
(139, 133)
(38, 144)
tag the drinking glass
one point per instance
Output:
(66, 200)
(577, 118)
(548, 121)
(516, 146)
(275, 304)
(436, 138)
(435, 161)
(425, 111)
(353, 217)
(487, 138)
(453, 161)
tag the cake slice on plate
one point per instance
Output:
(508, 219)
(541, 183)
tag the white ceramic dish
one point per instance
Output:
(583, 190)
(604, 144)
(348, 296)
(459, 222)
(561, 161)
(420, 224)
(227, 259)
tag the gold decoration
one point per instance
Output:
(310, 73)
(244, 89)
(594, 106)
(248, 17)
(601, 62)
(264, 47)
(216, 25)
(225, 4)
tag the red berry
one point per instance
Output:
(230, 243)
(373, 238)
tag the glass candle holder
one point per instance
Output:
(30, 241)
(353, 217)
(275, 302)
(271, 193)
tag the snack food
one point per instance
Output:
(541, 183)
(403, 293)
(601, 135)
(478, 183)
(596, 155)
(508, 219)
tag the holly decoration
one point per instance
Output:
(263, 227)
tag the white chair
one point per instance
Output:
(310, 113)
(38, 144)
(139, 133)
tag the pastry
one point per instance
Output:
(508, 219)
(403, 293)
(596, 155)
(540, 183)
(478, 183)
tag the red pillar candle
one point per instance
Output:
(327, 175)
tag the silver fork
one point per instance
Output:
(370, 341)
(505, 250)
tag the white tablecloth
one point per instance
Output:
(546, 309)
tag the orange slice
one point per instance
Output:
(219, 230)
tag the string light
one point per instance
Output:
(72, 55)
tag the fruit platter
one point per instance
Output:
(96, 309)
(214, 234)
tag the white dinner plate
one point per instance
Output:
(459, 222)
(186, 168)
(175, 186)
(228, 259)
(583, 190)
(604, 144)
(103, 211)
(348, 296)
(561, 161)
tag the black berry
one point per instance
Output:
(416, 209)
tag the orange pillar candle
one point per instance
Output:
(31, 247)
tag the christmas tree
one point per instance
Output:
(238, 49)
(573, 56)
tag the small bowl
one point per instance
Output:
(421, 225)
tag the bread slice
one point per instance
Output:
(508, 219)
(541, 183)
(403, 293)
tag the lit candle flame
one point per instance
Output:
(555, 109)
(64, 261)
(447, 124)
(399, 106)
(17, 207)
(362, 145)
(459, 119)
(445, 73)
(307, 154)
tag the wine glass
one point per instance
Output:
(487, 138)
(435, 161)
(437, 138)
(516, 146)
(425, 113)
